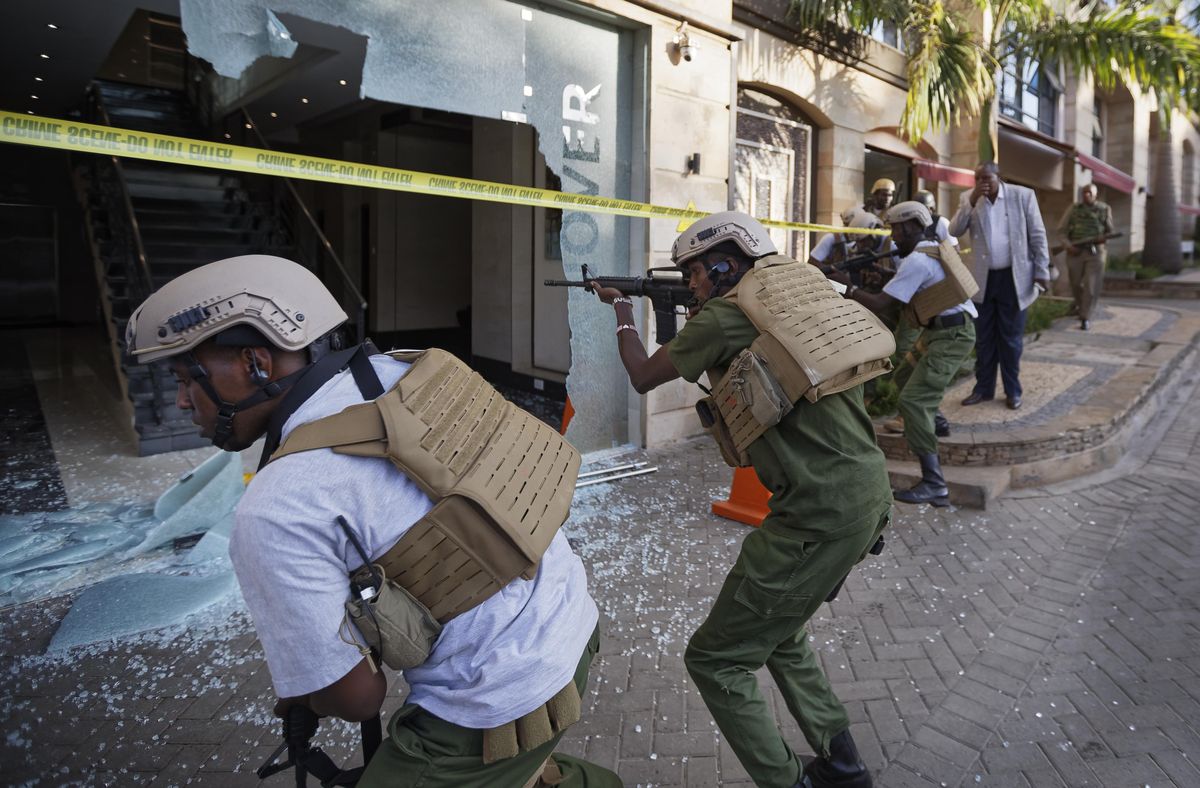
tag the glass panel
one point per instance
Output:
(570, 77)
(582, 106)
(1028, 96)
(877, 164)
(888, 33)
(775, 149)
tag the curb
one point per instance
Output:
(1093, 436)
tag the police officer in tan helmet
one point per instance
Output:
(343, 516)
(811, 442)
(883, 192)
(935, 288)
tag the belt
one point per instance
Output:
(948, 321)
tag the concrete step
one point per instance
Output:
(972, 487)
(172, 208)
(179, 176)
(142, 191)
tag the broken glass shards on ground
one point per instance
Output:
(47, 554)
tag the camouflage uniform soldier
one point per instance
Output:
(1082, 230)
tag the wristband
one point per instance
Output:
(626, 327)
(622, 300)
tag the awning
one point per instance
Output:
(1105, 174)
(1029, 157)
(1191, 210)
(955, 176)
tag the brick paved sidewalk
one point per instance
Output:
(1049, 642)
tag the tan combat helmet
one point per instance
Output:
(865, 220)
(242, 301)
(281, 300)
(742, 229)
(884, 184)
(848, 215)
(909, 210)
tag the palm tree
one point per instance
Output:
(1163, 231)
(952, 64)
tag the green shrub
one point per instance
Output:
(1044, 312)
(882, 401)
(1125, 262)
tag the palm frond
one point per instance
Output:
(949, 71)
(858, 15)
(1138, 45)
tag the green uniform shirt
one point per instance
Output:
(1083, 221)
(826, 474)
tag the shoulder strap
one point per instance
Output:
(320, 373)
(359, 428)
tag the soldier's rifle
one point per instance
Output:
(1097, 239)
(663, 286)
(854, 266)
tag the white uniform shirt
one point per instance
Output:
(825, 246)
(996, 216)
(943, 231)
(917, 272)
(492, 664)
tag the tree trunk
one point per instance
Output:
(987, 132)
(1162, 213)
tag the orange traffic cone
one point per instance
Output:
(747, 499)
(568, 412)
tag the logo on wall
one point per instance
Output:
(575, 101)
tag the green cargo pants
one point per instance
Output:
(425, 751)
(906, 334)
(938, 355)
(1086, 272)
(774, 588)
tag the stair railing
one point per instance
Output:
(360, 318)
(141, 267)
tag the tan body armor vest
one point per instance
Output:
(501, 480)
(812, 342)
(958, 286)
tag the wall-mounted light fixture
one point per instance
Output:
(682, 43)
(693, 164)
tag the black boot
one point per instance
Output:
(842, 769)
(932, 487)
(941, 425)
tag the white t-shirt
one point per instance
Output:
(917, 272)
(492, 664)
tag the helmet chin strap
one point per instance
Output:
(227, 410)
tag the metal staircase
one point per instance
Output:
(148, 223)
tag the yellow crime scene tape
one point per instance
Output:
(128, 143)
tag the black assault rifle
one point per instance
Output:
(1099, 239)
(663, 286)
(854, 266)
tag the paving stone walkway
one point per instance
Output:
(1048, 642)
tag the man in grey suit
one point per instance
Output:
(1011, 262)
